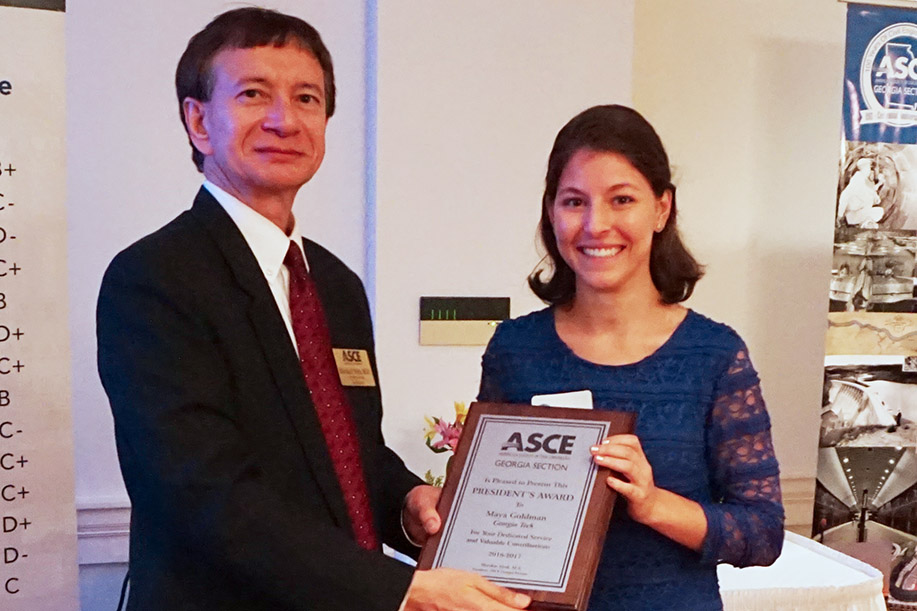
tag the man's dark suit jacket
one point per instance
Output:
(235, 503)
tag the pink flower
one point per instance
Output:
(449, 435)
(446, 433)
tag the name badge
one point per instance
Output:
(353, 367)
(580, 399)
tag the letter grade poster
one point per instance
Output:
(38, 557)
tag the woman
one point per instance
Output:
(700, 481)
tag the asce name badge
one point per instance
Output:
(353, 367)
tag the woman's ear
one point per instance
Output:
(663, 210)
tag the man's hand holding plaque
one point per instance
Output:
(447, 588)
(460, 590)
(420, 518)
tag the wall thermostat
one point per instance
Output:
(460, 321)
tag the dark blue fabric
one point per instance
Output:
(704, 429)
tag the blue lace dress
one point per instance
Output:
(703, 426)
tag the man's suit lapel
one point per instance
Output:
(275, 343)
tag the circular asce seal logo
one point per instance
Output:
(888, 77)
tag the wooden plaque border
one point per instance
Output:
(594, 522)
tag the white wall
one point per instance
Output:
(746, 95)
(470, 97)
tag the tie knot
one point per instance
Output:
(294, 259)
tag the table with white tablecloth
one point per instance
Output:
(807, 575)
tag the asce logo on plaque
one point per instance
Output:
(537, 442)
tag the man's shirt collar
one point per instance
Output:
(268, 242)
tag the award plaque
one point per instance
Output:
(524, 504)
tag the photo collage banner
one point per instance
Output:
(866, 490)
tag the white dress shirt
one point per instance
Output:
(269, 244)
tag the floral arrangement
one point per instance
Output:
(441, 436)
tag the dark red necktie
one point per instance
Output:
(331, 405)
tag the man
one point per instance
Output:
(258, 475)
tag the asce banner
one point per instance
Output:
(866, 491)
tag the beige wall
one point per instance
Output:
(746, 95)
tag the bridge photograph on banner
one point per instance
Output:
(866, 490)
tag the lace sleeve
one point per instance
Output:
(745, 519)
